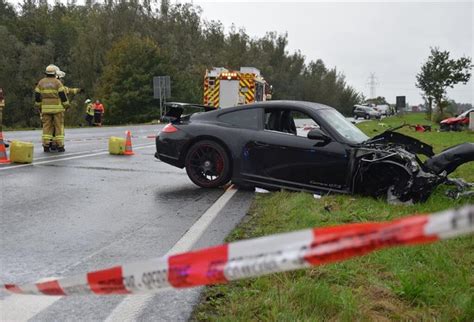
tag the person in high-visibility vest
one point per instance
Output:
(70, 91)
(52, 101)
(89, 112)
(2, 105)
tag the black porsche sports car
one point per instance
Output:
(259, 145)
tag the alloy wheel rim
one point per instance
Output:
(207, 164)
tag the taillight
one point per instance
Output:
(169, 128)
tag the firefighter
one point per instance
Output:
(98, 113)
(70, 91)
(89, 112)
(2, 105)
(52, 101)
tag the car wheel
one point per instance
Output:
(207, 164)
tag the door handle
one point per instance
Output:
(262, 144)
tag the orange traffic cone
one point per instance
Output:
(128, 144)
(3, 151)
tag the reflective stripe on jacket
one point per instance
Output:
(51, 96)
(89, 109)
(71, 90)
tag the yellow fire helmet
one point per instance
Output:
(51, 69)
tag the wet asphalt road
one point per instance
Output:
(85, 209)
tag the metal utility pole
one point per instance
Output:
(372, 82)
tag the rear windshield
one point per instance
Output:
(247, 118)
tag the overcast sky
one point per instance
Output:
(390, 39)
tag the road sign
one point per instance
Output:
(161, 87)
(161, 90)
(401, 102)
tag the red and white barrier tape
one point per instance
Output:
(260, 256)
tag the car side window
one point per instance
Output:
(289, 121)
(247, 118)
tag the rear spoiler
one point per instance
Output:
(174, 110)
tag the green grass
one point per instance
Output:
(430, 282)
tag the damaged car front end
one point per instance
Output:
(388, 165)
(260, 145)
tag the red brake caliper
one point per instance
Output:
(219, 164)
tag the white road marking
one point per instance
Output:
(70, 158)
(51, 157)
(23, 307)
(131, 307)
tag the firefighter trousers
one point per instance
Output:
(53, 129)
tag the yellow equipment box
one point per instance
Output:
(21, 152)
(116, 145)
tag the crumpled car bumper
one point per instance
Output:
(389, 166)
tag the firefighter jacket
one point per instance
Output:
(2, 100)
(71, 90)
(2, 105)
(89, 109)
(50, 96)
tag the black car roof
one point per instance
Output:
(302, 105)
(283, 104)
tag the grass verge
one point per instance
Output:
(430, 282)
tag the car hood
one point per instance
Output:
(408, 143)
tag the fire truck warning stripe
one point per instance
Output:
(261, 256)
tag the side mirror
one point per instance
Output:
(317, 134)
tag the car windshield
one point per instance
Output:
(345, 128)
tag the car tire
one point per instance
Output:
(207, 164)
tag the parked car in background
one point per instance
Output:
(383, 109)
(366, 112)
(457, 123)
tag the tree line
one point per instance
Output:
(113, 50)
